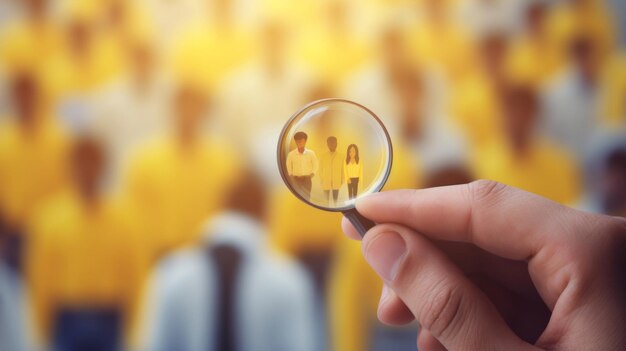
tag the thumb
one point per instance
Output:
(441, 298)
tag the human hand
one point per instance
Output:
(485, 266)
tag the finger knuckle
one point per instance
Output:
(440, 315)
(485, 189)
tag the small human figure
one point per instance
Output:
(353, 170)
(302, 164)
(331, 170)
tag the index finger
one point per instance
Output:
(503, 220)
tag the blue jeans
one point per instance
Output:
(87, 330)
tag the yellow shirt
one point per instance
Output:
(81, 257)
(613, 92)
(545, 170)
(331, 56)
(29, 45)
(177, 189)
(206, 55)
(32, 166)
(532, 62)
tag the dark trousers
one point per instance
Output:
(353, 187)
(303, 185)
(335, 194)
(87, 330)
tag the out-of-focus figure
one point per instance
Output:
(14, 330)
(331, 48)
(572, 101)
(439, 43)
(230, 292)
(181, 178)
(535, 57)
(31, 144)
(133, 108)
(84, 261)
(257, 101)
(524, 160)
(212, 47)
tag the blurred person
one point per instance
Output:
(85, 264)
(439, 43)
(33, 153)
(534, 57)
(572, 101)
(331, 170)
(14, 328)
(212, 46)
(330, 47)
(487, 266)
(180, 178)
(302, 164)
(572, 18)
(32, 39)
(474, 105)
(274, 87)
(132, 109)
(88, 59)
(613, 92)
(230, 291)
(525, 160)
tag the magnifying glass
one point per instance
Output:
(332, 152)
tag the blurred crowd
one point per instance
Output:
(140, 203)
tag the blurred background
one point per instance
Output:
(140, 202)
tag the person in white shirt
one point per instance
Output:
(332, 170)
(231, 292)
(302, 164)
(353, 170)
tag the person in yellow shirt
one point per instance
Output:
(84, 262)
(179, 179)
(534, 57)
(523, 160)
(33, 151)
(32, 40)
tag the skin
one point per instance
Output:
(88, 166)
(352, 153)
(484, 266)
(301, 143)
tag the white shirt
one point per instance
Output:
(274, 304)
(302, 164)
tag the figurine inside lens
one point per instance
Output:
(333, 151)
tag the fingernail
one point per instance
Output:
(385, 253)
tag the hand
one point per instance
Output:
(485, 266)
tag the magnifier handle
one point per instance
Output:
(359, 222)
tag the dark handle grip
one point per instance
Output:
(359, 222)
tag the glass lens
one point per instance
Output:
(333, 151)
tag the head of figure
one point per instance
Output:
(301, 138)
(521, 107)
(332, 143)
(352, 154)
(614, 183)
(88, 163)
(396, 59)
(248, 196)
(37, 9)
(142, 62)
(116, 13)
(436, 11)
(493, 49)
(26, 97)
(274, 39)
(190, 107)
(585, 56)
(80, 34)
(535, 17)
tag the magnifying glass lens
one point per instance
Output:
(333, 151)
